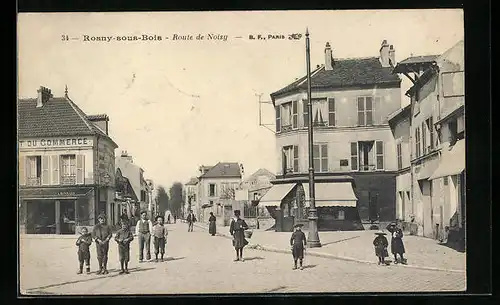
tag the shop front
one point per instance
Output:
(55, 210)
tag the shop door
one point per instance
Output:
(41, 217)
(68, 216)
(373, 206)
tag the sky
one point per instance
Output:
(175, 105)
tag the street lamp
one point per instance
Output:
(313, 237)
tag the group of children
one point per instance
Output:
(102, 234)
(397, 247)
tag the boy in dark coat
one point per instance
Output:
(83, 242)
(381, 244)
(190, 220)
(237, 230)
(159, 237)
(123, 237)
(102, 234)
(298, 243)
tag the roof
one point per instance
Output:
(97, 117)
(223, 169)
(261, 172)
(345, 73)
(401, 112)
(192, 181)
(415, 61)
(59, 116)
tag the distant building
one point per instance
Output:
(66, 165)
(191, 196)
(437, 142)
(257, 186)
(354, 150)
(215, 185)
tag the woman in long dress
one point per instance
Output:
(211, 224)
(397, 246)
(237, 230)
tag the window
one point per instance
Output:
(143, 196)
(278, 118)
(445, 180)
(255, 196)
(452, 126)
(305, 112)
(331, 112)
(424, 138)
(290, 159)
(340, 215)
(354, 155)
(68, 169)
(211, 190)
(417, 142)
(379, 146)
(295, 116)
(430, 126)
(344, 162)
(365, 111)
(320, 153)
(286, 116)
(365, 156)
(453, 83)
(400, 156)
(33, 170)
(320, 108)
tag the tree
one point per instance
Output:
(228, 193)
(163, 200)
(176, 198)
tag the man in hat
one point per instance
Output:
(190, 220)
(237, 230)
(159, 237)
(298, 243)
(397, 245)
(380, 243)
(143, 231)
(102, 234)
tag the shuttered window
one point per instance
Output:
(278, 118)
(45, 170)
(305, 112)
(365, 111)
(80, 169)
(354, 155)
(331, 112)
(379, 146)
(320, 154)
(295, 115)
(54, 164)
(296, 159)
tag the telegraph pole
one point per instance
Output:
(313, 238)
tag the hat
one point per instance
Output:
(299, 225)
(159, 216)
(211, 213)
(144, 212)
(237, 212)
(393, 224)
(84, 229)
(380, 233)
(101, 216)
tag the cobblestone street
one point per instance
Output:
(199, 263)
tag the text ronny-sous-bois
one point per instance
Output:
(148, 37)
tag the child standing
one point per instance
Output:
(83, 242)
(298, 243)
(123, 237)
(159, 237)
(381, 244)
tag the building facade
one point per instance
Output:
(257, 185)
(352, 99)
(66, 165)
(216, 187)
(191, 196)
(437, 136)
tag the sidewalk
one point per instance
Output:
(421, 252)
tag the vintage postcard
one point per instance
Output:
(241, 152)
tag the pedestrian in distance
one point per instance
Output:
(211, 224)
(143, 231)
(83, 242)
(160, 234)
(175, 219)
(381, 244)
(191, 219)
(397, 246)
(124, 237)
(102, 234)
(298, 244)
(168, 218)
(237, 230)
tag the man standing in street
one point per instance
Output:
(143, 231)
(190, 220)
(102, 234)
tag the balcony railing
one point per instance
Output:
(68, 180)
(33, 181)
(367, 168)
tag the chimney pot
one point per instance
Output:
(44, 94)
(328, 57)
(384, 54)
(392, 56)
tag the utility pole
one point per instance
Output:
(313, 237)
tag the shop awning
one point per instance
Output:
(334, 194)
(206, 205)
(452, 162)
(424, 172)
(274, 196)
(54, 193)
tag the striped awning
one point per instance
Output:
(277, 192)
(332, 194)
(452, 161)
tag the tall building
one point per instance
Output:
(66, 165)
(354, 150)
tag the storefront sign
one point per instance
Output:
(66, 194)
(55, 142)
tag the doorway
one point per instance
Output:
(67, 216)
(40, 217)
(373, 206)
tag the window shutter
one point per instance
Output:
(54, 164)
(331, 112)
(295, 158)
(80, 166)
(283, 160)
(380, 154)
(22, 170)
(45, 170)
(294, 115)
(305, 111)
(278, 118)
(354, 155)
(361, 111)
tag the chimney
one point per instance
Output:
(124, 153)
(44, 94)
(384, 54)
(328, 57)
(101, 121)
(392, 56)
(242, 170)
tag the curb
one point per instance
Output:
(332, 256)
